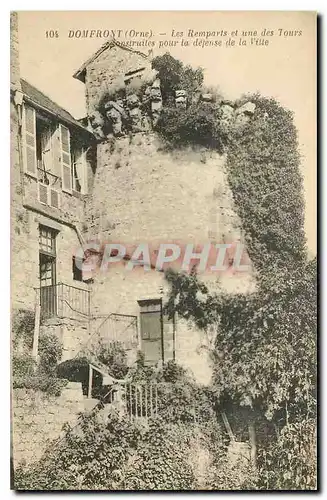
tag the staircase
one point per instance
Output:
(114, 328)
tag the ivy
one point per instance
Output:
(263, 168)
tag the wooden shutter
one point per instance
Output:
(29, 141)
(54, 198)
(151, 330)
(66, 168)
(43, 193)
(81, 170)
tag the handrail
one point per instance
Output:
(73, 286)
(99, 327)
(75, 310)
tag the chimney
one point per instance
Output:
(14, 53)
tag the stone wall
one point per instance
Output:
(14, 52)
(143, 194)
(106, 68)
(37, 419)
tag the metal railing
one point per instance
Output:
(64, 301)
(46, 177)
(119, 328)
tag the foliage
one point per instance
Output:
(115, 454)
(196, 125)
(161, 461)
(40, 381)
(141, 372)
(264, 176)
(179, 397)
(114, 356)
(23, 365)
(50, 352)
(23, 327)
(289, 463)
(174, 76)
(265, 343)
(265, 350)
(199, 123)
(27, 374)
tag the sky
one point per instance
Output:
(285, 69)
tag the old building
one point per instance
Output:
(104, 179)
(51, 156)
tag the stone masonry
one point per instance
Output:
(37, 419)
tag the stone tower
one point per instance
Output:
(144, 194)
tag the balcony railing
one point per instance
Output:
(64, 301)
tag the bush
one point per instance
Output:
(114, 356)
(289, 463)
(40, 381)
(23, 365)
(197, 125)
(50, 352)
(23, 321)
(27, 374)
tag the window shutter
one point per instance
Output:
(29, 141)
(54, 198)
(43, 193)
(66, 169)
(81, 171)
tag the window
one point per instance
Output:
(77, 269)
(79, 168)
(44, 131)
(47, 269)
(46, 150)
(47, 240)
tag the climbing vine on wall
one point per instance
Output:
(264, 355)
(263, 168)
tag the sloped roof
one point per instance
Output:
(37, 97)
(80, 73)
